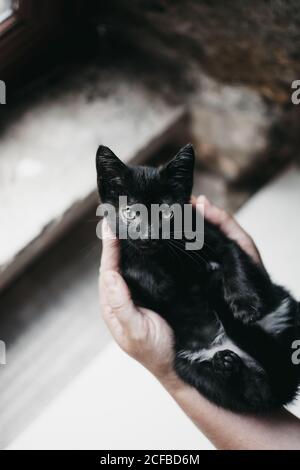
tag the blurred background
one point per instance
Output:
(143, 77)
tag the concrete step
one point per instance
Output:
(47, 154)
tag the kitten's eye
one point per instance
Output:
(167, 213)
(129, 213)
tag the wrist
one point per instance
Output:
(170, 381)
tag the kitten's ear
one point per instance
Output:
(110, 173)
(180, 170)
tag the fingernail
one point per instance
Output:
(104, 228)
(107, 233)
(203, 200)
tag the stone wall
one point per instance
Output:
(232, 62)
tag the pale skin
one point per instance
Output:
(145, 336)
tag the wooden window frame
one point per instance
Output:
(31, 26)
(14, 19)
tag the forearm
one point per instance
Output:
(227, 430)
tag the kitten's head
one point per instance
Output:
(168, 185)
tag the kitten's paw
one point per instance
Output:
(226, 362)
(247, 310)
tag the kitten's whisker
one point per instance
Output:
(187, 240)
(193, 253)
(174, 252)
(179, 248)
(183, 232)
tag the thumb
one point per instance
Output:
(119, 300)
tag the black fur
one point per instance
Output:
(204, 292)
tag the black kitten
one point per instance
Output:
(233, 327)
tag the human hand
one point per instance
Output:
(145, 336)
(230, 227)
(141, 333)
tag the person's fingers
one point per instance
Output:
(119, 302)
(193, 200)
(221, 218)
(218, 216)
(110, 249)
(229, 226)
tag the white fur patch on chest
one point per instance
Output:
(276, 322)
(220, 343)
